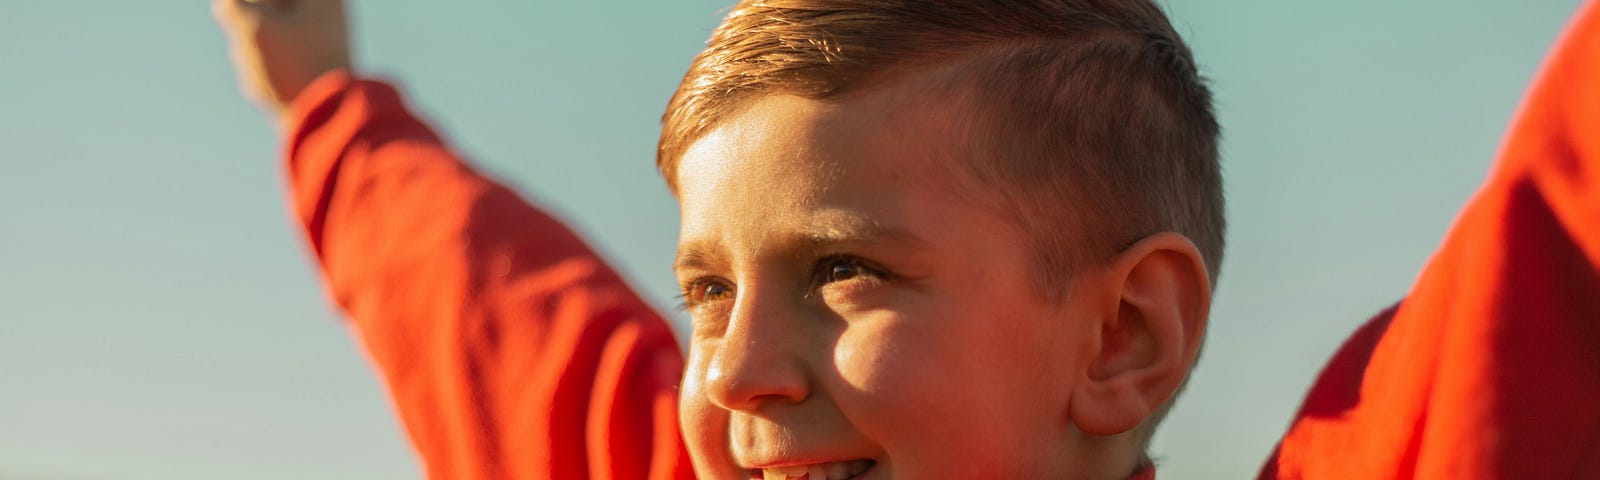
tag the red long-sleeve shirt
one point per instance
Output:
(513, 351)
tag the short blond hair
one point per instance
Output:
(1091, 114)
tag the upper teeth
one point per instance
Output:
(817, 471)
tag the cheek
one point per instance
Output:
(914, 349)
(913, 397)
(903, 377)
(704, 425)
(939, 382)
(872, 356)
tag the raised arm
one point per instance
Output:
(509, 347)
(1490, 367)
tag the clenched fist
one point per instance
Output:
(280, 46)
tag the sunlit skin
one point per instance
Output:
(854, 295)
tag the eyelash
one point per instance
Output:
(693, 291)
(828, 266)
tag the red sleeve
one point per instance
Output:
(1490, 368)
(511, 350)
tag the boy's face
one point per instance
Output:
(859, 307)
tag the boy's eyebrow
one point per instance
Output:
(849, 230)
(860, 231)
(691, 257)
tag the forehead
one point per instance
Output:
(906, 134)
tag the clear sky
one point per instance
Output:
(159, 318)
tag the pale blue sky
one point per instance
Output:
(159, 319)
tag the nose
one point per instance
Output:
(760, 359)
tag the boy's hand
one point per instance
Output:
(280, 46)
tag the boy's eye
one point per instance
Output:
(702, 290)
(713, 291)
(842, 268)
(843, 271)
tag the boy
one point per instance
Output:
(927, 239)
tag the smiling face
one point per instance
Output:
(861, 308)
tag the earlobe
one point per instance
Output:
(1156, 297)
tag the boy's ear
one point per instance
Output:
(1151, 304)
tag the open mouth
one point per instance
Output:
(816, 471)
